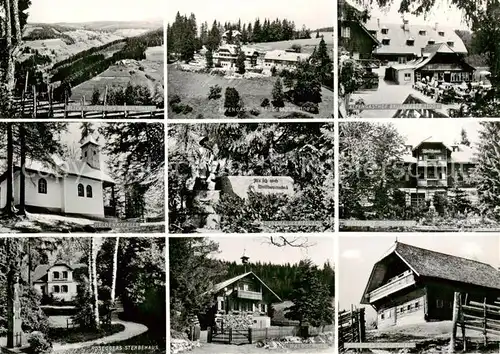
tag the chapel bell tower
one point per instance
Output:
(91, 153)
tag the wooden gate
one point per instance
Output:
(229, 336)
(351, 327)
(476, 316)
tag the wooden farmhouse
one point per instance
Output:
(244, 295)
(412, 285)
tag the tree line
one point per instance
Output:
(185, 38)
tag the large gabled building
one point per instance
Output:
(433, 167)
(402, 42)
(411, 285)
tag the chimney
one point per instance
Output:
(378, 22)
(406, 26)
(454, 148)
(422, 52)
(409, 148)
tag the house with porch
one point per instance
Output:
(243, 298)
(67, 187)
(402, 42)
(433, 167)
(227, 54)
(438, 62)
(57, 280)
(412, 285)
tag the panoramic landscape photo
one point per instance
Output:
(248, 60)
(76, 62)
(438, 57)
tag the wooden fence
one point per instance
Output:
(476, 316)
(30, 105)
(251, 335)
(351, 327)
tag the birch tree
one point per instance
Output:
(115, 268)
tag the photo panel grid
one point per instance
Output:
(78, 63)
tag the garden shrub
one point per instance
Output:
(33, 317)
(310, 107)
(174, 100)
(254, 112)
(39, 344)
(215, 92)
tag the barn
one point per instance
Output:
(412, 285)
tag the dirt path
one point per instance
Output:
(132, 329)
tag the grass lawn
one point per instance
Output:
(307, 45)
(193, 89)
(77, 334)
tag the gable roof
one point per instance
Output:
(59, 168)
(219, 286)
(432, 264)
(278, 54)
(41, 270)
(89, 140)
(399, 36)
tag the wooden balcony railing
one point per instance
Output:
(250, 295)
(395, 284)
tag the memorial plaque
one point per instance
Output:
(241, 185)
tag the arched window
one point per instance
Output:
(89, 191)
(42, 186)
(81, 192)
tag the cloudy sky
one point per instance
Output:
(48, 11)
(359, 254)
(448, 131)
(259, 249)
(314, 13)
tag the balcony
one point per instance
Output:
(432, 183)
(434, 162)
(249, 295)
(402, 281)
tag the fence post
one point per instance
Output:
(462, 321)
(230, 335)
(250, 335)
(266, 332)
(485, 333)
(209, 334)
(51, 107)
(456, 300)
(34, 101)
(362, 332)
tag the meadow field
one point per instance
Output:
(193, 90)
(149, 72)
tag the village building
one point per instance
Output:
(439, 62)
(402, 42)
(71, 187)
(227, 54)
(282, 59)
(57, 280)
(432, 167)
(243, 299)
(353, 36)
(412, 285)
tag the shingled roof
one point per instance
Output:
(421, 34)
(219, 286)
(427, 263)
